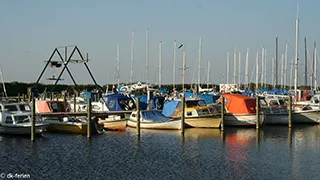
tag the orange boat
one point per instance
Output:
(240, 110)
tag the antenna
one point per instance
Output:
(297, 10)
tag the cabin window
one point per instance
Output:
(9, 120)
(11, 107)
(133, 115)
(24, 107)
(189, 113)
(112, 104)
(281, 102)
(21, 119)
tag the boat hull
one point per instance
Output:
(276, 119)
(23, 130)
(203, 122)
(173, 124)
(245, 120)
(71, 127)
(307, 117)
(114, 124)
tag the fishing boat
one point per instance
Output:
(153, 119)
(76, 125)
(20, 124)
(241, 111)
(197, 113)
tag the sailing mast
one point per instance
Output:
(276, 78)
(118, 65)
(239, 73)
(265, 66)
(291, 69)
(296, 55)
(199, 61)
(208, 74)
(257, 70)
(234, 67)
(286, 65)
(3, 85)
(228, 66)
(147, 54)
(132, 57)
(262, 66)
(305, 62)
(247, 68)
(272, 71)
(315, 66)
(184, 66)
(282, 71)
(174, 63)
(160, 59)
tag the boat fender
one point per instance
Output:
(97, 126)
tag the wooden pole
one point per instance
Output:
(182, 117)
(18, 97)
(290, 112)
(23, 98)
(65, 101)
(222, 113)
(89, 118)
(138, 116)
(74, 103)
(257, 112)
(51, 97)
(33, 120)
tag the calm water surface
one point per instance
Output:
(272, 153)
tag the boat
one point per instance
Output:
(275, 110)
(115, 123)
(241, 111)
(76, 125)
(197, 113)
(114, 102)
(20, 124)
(153, 119)
(305, 114)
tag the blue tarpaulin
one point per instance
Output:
(154, 116)
(169, 107)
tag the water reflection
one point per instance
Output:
(283, 153)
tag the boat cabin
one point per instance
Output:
(239, 104)
(15, 118)
(193, 108)
(15, 107)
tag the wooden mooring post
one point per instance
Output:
(183, 114)
(33, 120)
(19, 97)
(23, 97)
(290, 112)
(222, 113)
(89, 124)
(138, 116)
(257, 113)
(74, 103)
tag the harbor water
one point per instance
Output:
(235, 153)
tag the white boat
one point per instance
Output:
(306, 115)
(275, 110)
(153, 120)
(20, 124)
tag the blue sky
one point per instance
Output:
(30, 30)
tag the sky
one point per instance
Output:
(31, 30)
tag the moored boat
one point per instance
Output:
(153, 119)
(241, 111)
(197, 113)
(76, 125)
